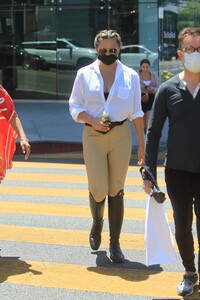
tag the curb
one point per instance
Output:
(67, 152)
(161, 155)
(43, 147)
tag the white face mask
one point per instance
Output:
(192, 62)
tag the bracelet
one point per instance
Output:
(24, 139)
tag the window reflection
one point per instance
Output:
(44, 43)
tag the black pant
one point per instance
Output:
(183, 189)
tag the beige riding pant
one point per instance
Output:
(107, 158)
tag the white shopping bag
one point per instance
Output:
(158, 236)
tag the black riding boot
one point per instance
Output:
(97, 211)
(115, 216)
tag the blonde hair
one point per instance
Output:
(190, 31)
(107, 34)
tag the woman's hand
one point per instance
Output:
(151, 90)
(98, 125)
(26, 148)
(24, 144)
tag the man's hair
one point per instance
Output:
(190, 31)
(107, 34)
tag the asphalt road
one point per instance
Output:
(44, 228)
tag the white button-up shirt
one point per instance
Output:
(124, 100)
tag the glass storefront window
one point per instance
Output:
(44, 42)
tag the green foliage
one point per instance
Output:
(165, 75)
(189, 15)
(166, 2)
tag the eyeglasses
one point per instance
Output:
(191, 49)
(102, 51)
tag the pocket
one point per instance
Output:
(123, 92)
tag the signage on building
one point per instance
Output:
(169, 34)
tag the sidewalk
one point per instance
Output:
(50, 128)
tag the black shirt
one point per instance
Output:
(174, 101)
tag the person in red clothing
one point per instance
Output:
(10, 128)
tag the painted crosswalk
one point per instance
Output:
(44, 229)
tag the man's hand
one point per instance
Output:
(147, 186)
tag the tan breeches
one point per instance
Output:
(107, 158)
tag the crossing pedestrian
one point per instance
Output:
(105, 95)
(10, 128)
(178, 99)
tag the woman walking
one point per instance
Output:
(105, 95)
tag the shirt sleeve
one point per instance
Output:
(137, 108)
(156, 123)
(76, 100)
(7, 108)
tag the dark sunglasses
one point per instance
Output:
(102, 51)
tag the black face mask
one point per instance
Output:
(107, 59)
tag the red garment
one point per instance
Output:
(7, 134)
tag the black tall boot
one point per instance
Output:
(115, 216)
(97, 211)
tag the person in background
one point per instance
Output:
(149, 83)
(178, 99)
(105, 95)
(10, 129)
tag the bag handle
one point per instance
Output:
(156, 193)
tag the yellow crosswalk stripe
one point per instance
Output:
(50, 165)
(157, 284)
(18, 190)
(63, 236)
(67, 237)
(45, 165)
(75, 277)
(67, 178)
(67, 210)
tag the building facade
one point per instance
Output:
(44, 42)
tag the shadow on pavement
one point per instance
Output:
(11, 266)
(125, 270)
